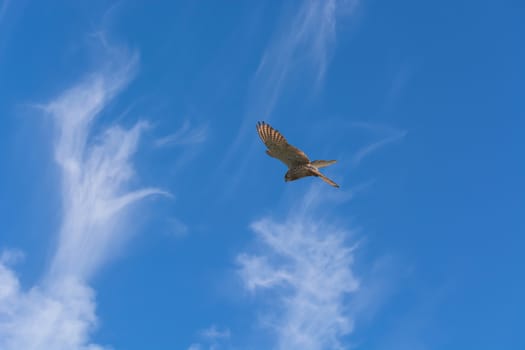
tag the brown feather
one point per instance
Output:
(298, 163)
(324, 178)
(280, 148)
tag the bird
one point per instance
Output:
(298, 163)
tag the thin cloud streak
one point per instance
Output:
(306, 265)
(186, 135)
(399, 83)
(3, 9)
(308, 38)
(215, 333)
(213, 338)
(59, 312)
(393, 135)
(177, 228)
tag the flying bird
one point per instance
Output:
(298, 163)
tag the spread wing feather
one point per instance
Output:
(279, 148)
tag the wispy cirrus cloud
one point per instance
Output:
(11, 256)
(388, 135)
(3, 9)
(176, 227)
(213, 338)
(213, 332)
(304, 40)
(400, 81)
(95, 172)
(186, 135)
(305, 265)
(59, 312)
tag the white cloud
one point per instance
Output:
(177, 228)
(389, 135)
(213, 338)
(57, 316)
(305, 263)
(186, 135)
(95, 173)
(59, 312)
(3, 8)
(307, 37)
(215, 333)
(11, 256)
(399, 83)
(8, 284)
(195, 346)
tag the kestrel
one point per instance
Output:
(299, 165)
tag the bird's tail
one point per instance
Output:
(324, 178)
(328, 181)
(322, 163)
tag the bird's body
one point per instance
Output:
(299, 165)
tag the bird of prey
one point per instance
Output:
(299, 165)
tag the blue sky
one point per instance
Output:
(138, 209)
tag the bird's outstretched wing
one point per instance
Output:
(279, 148)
